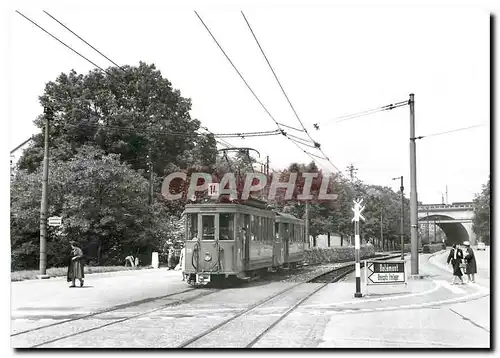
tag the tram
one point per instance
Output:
(228, 240)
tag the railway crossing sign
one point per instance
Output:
(357, 210)
(385, 272)
(54, 221)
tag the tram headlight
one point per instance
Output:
(208, 257)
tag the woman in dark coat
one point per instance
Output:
(470, 261)
(75, 266)
(456, 257)
(171, 258)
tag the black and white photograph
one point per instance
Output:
(189, 175)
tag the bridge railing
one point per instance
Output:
(445, 206)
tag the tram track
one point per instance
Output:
(96, 315)
(330, 277)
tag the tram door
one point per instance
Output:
(286, 241)
(208, 255)
(246, 242)
(277, 246)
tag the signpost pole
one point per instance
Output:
(358, 268)
(413, 192)
(357, 244)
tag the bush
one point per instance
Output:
(431, 248)
(336, 254)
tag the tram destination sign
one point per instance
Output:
(388, 272)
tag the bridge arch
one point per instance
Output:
(456, 232)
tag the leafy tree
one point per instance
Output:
(104, 206)
(481, 224)
(133, 112)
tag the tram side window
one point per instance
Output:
(265, 230)
(208, 224)
(192, 222)
(269, 231)
(245, 225)
(226, 227)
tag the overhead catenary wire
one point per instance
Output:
(99, 52)
(290, 127)
(247, 85)
(450, 131)
(222, 142)
(79, 54)
(316, 144)
(364, 113)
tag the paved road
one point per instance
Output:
(425, 313)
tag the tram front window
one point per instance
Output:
(192, 221)
(208, 224)
(226, 227)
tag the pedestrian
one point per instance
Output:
(456, 257)
(171, 258)
(182, 262)
(129, 260)
(75, 266)
(470, 261)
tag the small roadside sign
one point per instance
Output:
(387, 272)
(55, 221)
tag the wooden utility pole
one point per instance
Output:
(150, 165)
(43, 207)
(307, 224)
(381, 231)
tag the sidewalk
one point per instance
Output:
(342, 292)
(438, 259)
(101, 290)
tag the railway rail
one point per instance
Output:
(326, 278)
(174, 302)
(175, 299)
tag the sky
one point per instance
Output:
(331, 60)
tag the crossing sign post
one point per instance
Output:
(357, 209)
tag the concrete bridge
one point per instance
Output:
(454, 219)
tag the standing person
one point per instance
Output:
(470, 260)
(171, 257)
(182, 264)
(76, 266)
(456, 257)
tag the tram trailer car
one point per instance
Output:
(235, 240)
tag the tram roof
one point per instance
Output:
(286, 217)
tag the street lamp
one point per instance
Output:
(402, 217)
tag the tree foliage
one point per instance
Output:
(104, 131)
(481, 224)
(133, 112)
(103, 203)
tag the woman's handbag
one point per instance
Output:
(463, 266)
